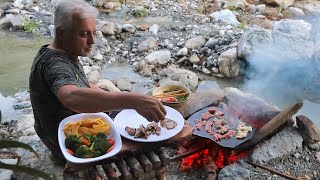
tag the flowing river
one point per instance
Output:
(17, 55)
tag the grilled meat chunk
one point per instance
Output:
(131, 131)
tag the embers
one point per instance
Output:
(207, 153)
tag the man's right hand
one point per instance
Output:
(150, 108)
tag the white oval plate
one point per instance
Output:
(131, 118)
(114, 134)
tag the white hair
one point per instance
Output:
(66, 8)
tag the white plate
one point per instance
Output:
(131, 118)
(114, 134)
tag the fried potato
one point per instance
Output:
(87, 126)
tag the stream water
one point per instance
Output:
(17, 55)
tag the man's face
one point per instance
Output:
(79, 39)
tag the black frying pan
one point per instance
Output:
(229, 143)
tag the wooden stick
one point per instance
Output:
(124, 169)
(272, 171)
(145, 162)
(154, 158)
(164, 157)
(112, 174)
(135, 167)
(172, 95)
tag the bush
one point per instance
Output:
(139, 12)
(31, 26)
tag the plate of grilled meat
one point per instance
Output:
(135, 127)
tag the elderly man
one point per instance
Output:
(58, 85)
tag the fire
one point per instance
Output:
(221, 156)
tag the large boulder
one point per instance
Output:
(299, 28)
(282, 144)
(175, 76)
(289, 46)
(229, 65)
(249, 107)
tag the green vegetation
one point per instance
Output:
(18, 168)
(242, 25)
(139, 11)
(31, 26)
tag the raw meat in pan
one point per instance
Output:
(208, 126)
(206, 116)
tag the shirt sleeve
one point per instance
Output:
(58, 73)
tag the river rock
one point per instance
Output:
(284, 143)
(194, 59)
(147, 44)
(22, 105)
(211, 43)
(96, 68)
(234, 4)
(124, 84)
(284, 3)
(86, 69)
(107, 85)
(22, 96)
(174, 76)
(25, 125)
(93, 77)
(236, 171)
(293, 12)
(228, 63)
(129, 28)
(309, 131)
(159, 57)
(226, 16)
(195, 43)
(182, 52)
(312, 8)
(108, 28)
(296, 27)
(287, 45)
(154, 29)
(6, 174)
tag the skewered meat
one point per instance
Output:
(206, 116)
(208, 126)
(168, 123)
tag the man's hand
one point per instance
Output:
(150, 108)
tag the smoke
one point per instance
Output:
(280, 79)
